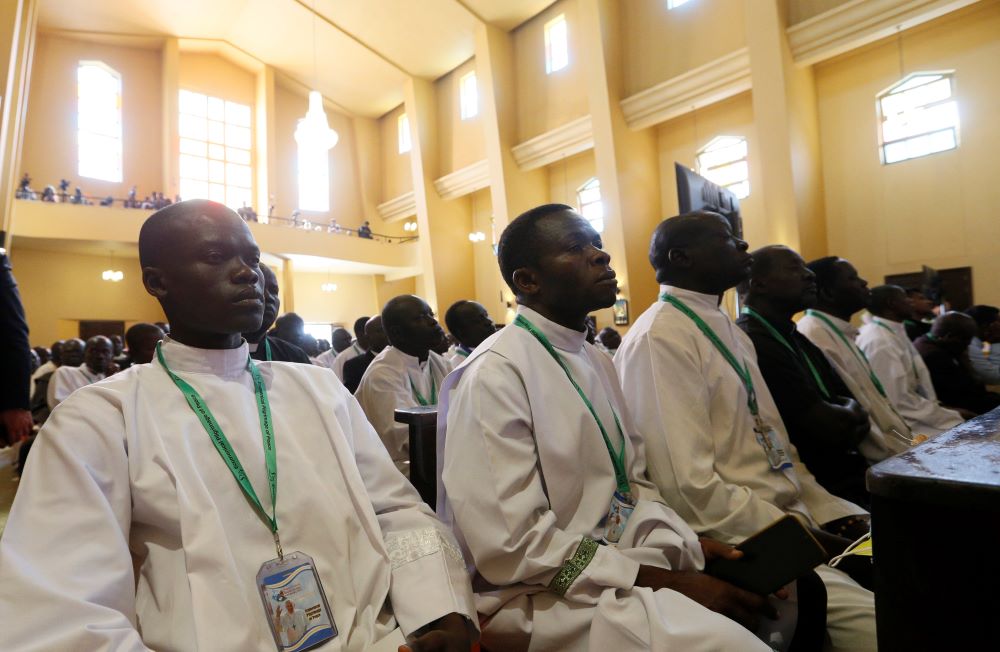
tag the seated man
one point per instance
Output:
(469, 324)
(355, 368)
(67, 378)
(264, 346)
(47, 367)
(822, 419)
(901, 369)
(840, 293)
(141, 339)
(336, 358)
(407, 373)
(921, 313)
(177, 482)
(715, 443)
(610, 339)
(537, 445)
(984, 354)
(945, 352)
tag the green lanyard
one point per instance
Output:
(794, 349)
(197, 404)
(267, 349)
(858, 353)
(617, 459)
(913, 363)
(743, 372)
(420, 397)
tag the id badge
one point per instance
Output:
(622, 506)
(294, 603)
(777, 457)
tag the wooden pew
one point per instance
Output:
(422, 422)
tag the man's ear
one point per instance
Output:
(526, 282)
(677, 257)
(152, 280)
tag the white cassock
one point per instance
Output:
(526, 483)
(48, 367)
(691, 410)
(882, 440)
(393, 381)
(66, 380)
(337, 361)
(129, 532)
(907, 382)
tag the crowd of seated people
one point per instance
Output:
(585, 479)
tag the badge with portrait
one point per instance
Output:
(622, 506)
(294, 603)
(777, 457)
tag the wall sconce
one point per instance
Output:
(329, 287)
(410, 226)
(477, 236)
(113, 275)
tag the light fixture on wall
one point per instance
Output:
(313, 131)
(410, 226)
(111, 274)
(329, 287)
(477, 236)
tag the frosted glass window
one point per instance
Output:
(724, 162)
(99, 121)
(215, 150)
(917, 117)
(314, 179)
(673, 4)
(403, 129)
(556, 44)
(589, 197)
(468, 91)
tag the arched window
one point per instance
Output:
(917, 117)
(589, 197)
(723, 161)
(215, 145)
(99, 121)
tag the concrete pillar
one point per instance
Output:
(170, 82)
(265, 140)
(18, 21)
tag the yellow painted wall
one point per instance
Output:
(60, 289)
(50, 151)
(397, 177)
(681, 138)
(567, 175)
(659, 44)
(386, 290)
(486, 269)
(460, 142)
(800, 10)
(938, 210)
(545, 102)
(355, 296)
(216, 76)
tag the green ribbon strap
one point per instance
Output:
(792, 347)
(913, 363)
(858, 353)
(420, 397)
(267, 349)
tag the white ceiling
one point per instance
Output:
(365, 49)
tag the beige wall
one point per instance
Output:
(460, 142)
(566, 177)
(658, 44)
(938, 210)
(50, 151)
(216, 76)
(545, 102)
(800, 10)
(385, 290)
(397, 177)
(355, 296)
(59, 289)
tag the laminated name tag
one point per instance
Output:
(294, 603)
(622, 506)
(777, 457)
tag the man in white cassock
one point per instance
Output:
(469, 323)
(67, 379)
(137, 529)
(840, 293)
(536, 448)
(897, 363)
(336, 360)
(406, 374)
(722, 459)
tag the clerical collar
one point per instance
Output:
(227, 363)
(694, 300)
(561, 337)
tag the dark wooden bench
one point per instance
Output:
(422, 422)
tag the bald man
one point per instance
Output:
(97, 354)
(141, 339)
(191, 491)
(267, 347)
(945, 351)
(469, 324)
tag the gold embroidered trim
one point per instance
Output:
(574, 566)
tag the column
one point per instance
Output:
(170, 83)
(265, 140)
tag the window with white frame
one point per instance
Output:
(589, 197)
(215, 146)
(99, 121)
(673, 4)
(556, 44)
(918, 116)
(468, 93)
(723, 161)
(403, 132)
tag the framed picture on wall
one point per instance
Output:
(621, 312)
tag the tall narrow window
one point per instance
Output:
(556, 44)
(724, 162)
(673, 4)
(403, 129)
(468, 91)
(314, 178)
(591, 207)
(215, 144)
(99, 121)
(917, 117)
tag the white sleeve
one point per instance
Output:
(894, 372)
(380, 393)
(66, 576)
(497, 496)
(58, 388)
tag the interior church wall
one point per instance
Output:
(397, 177)
(460, 142)
(355, 296)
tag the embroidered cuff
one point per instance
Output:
(411, 545)
(574, 566)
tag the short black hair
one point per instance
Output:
(359, 326)
(914, 290)
(135, 331)
(984, 315)
(518, 246)
(826, 271)
(451, 318)
(676, 231)
(763, 263)
(882, 297)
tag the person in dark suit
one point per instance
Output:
(354, 369)
(15, 361)
(945, 350)
(267, 347)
